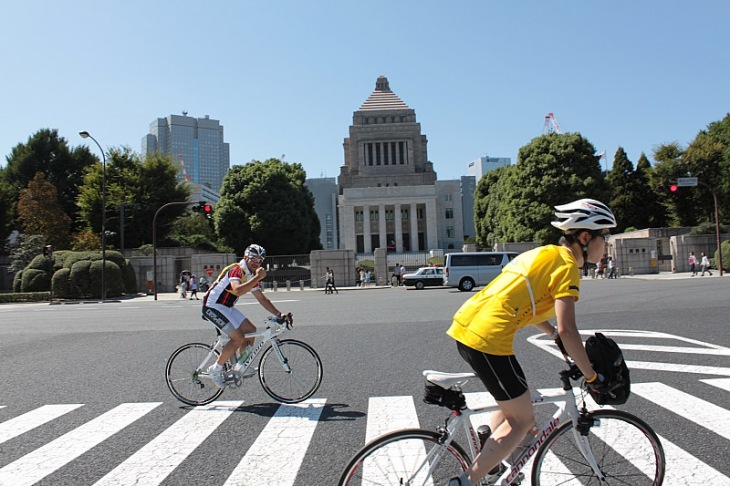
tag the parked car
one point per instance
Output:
(469, 270)
(425, 277)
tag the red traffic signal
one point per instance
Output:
(207, 209)
(673, 187)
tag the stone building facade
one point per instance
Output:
(388, 193)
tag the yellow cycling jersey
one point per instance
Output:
(523, 294)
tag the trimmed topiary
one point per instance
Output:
(34, 280)
(62, 284)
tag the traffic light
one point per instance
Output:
(208, 211)
(673, 187)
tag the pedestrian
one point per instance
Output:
(537, 285)
(692, 263)
(602, 267)
(402, 274)
(611, 268)
(193, 287)
(705, 264)
(395, 277)
(332, 281)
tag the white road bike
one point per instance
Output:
(290, 371)
(574, 447)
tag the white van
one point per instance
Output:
(469, 270)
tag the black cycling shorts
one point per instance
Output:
(502, 375)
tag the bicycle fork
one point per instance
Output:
(284, 360)
(581, 429)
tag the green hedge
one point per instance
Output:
(24, 297)
(77, 274)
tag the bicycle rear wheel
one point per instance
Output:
(405, 457)
(300, 381)
(626, 449)
(186, 374)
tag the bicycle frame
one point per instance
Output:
(567, 411)
(269, 335)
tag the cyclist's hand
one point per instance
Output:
(260, 273)
(601, 385)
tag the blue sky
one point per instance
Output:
(284, 77)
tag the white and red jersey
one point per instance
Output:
(220, 291)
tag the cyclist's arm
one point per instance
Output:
(547, 328)
(240, 288)
(266, 303)
(568, 331)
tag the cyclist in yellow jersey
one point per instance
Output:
(537, 285)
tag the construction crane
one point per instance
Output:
(551, 124)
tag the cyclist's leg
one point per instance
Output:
(234, 324)
(505, 380)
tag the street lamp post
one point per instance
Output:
(86, 134)
(154, 239)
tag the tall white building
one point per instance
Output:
(196, 144)
(482, 165)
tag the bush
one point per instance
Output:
(80, 279)
(130, 278)
(114, 282)
(725, 248)
(62, 283)
(40, 262)
(17, 281)
(35, 280)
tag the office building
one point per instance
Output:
(482, 165)
(197, 146)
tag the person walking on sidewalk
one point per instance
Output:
(692, 263)
(705, 264)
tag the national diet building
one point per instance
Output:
(388, 195)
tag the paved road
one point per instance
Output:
(84, 401)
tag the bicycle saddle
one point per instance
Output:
(446, 380)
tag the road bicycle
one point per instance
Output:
(290, 371)
(573, 447)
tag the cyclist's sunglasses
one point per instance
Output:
(258, 260)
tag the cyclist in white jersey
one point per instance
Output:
(234, 281)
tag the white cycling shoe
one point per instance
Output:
(218, 376)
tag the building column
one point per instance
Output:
(414, 227)
(398, 228)
(432, 237)
(382, 227)
(347, 213)
(366, 229)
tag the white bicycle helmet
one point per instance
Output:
(255, 251)
(584, 214)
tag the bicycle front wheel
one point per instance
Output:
(626, 449)
(187, 377)
(406, 457)
(290, 371)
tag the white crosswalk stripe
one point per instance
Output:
(281, 446)
(35, 418)
(278, 452)
(155, 461)
(43, 461)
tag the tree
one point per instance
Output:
(649, 212)
(267, 203)
(626, 192)
(40, 212)
(143, 186)
(46, 152)
(553, 169)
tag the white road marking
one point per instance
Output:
(277, 454)
(35, 418)
(155, 461)
(33, 467)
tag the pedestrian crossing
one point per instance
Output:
(281, 448)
